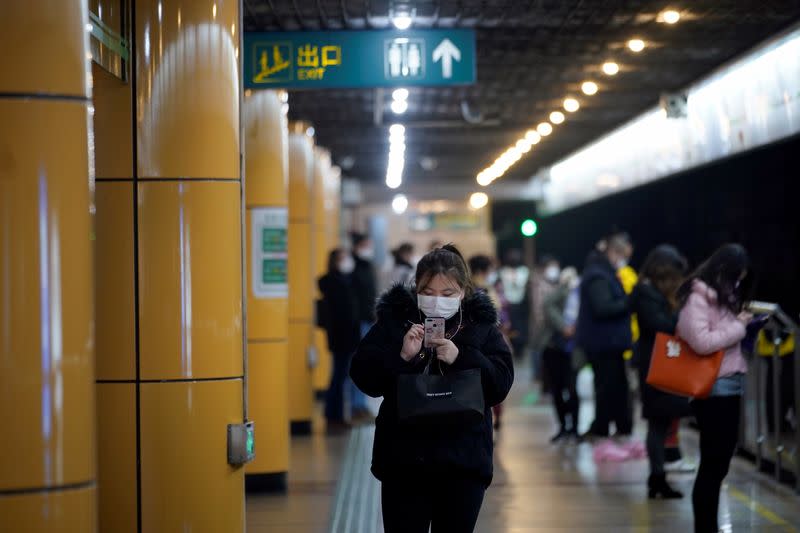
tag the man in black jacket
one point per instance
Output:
(604, 333)
(365, 286)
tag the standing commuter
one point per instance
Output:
(515, 278)
(340, 307)
(433, 476)
(712, 318)
(557, 337)
(480, 267)
(544, 283)
(654, 300)
(604, 333)
(403, 268)
(365, 286)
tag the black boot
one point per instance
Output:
(659, 488)
(561, 435)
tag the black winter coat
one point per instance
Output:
(366, 288)
(341, 312)
(401, 450)
(654, 314)
(604, 320)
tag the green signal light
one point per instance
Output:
(529, 228)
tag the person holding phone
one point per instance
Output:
(713, 318)
(433, 476)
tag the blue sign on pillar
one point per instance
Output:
(356, 59)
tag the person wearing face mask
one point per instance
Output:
(480, 266)
(340, 306)
(557, 334)
(544, 283)
(712, 318)
(365, 286)
(515, 278)
(433, 475)
(604, 332)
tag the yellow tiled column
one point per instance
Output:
(115, 304)
(47, 447)
(301, 288)
(169, 273)
(267, 198)
(323, 244)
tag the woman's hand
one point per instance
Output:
(446, 351)
(412, 342)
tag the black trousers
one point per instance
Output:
(334, 396)
(442, 502)
(718, 418)
(558, 364)
(657, 430)
(611, 394)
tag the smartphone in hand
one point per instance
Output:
(434, 329)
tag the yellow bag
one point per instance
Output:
(765, 348)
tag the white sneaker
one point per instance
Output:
(680, 466)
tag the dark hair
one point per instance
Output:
(332, 257)
(619, 241)
(721, 272)
(447, 261)
(403, 248)
(357, 238)
(546, 259)
(665, 268)
(480, 264)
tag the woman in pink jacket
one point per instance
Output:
(712, 319)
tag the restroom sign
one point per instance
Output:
(404, 58)
(269, 252)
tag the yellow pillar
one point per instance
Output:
(333, 205)
(169, 273)
(267, 199)
(301, 288)
(323, 244)
(47, 447)
(115, 304)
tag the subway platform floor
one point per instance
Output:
(538, 487)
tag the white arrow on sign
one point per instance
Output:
(446, 52)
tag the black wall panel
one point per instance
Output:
(753, 199)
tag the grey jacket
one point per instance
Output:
(554, 322)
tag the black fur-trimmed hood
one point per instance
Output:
(400, 302)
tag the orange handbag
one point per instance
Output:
(676, 368)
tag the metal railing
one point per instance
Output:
(778, 324)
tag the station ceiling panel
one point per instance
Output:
(531, 55)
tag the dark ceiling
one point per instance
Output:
(531, 55)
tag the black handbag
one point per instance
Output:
(452, 398)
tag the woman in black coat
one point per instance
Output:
(433, 475)
(341, 323)
(654, 302)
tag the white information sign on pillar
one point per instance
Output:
(269, 252)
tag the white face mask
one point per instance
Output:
(366, 254)
(438, 306)
(622, 263)
(552, 273)
(347, 265)
(491, 278)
